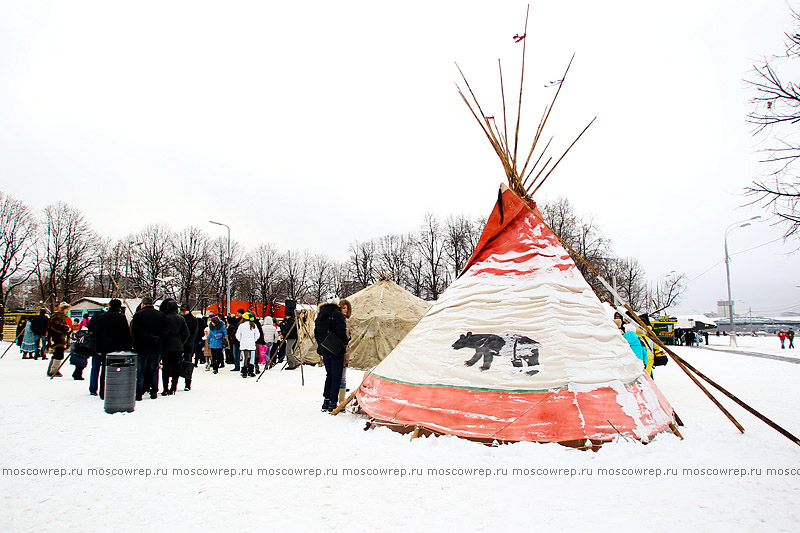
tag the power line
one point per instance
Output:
(731, 255)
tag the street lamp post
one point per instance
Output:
(228, 277)
(735, 225)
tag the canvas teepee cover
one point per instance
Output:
(517, 349)
(383, 314)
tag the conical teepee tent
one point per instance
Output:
(383, 314)
(518, 348)
(541, 359)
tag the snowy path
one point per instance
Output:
(226, 422)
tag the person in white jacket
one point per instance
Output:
(247, 334)
(270, 334)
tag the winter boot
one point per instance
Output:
(250, 371)
(326, 406)
(244, 371)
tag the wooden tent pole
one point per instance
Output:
(12, 343)
(519, 104)
(302, 373)
(503, 99)
(352, 395)
(739, 402)
(683, 364)
(646, 329)
(283, 341)
(546, 115)
(124, 299)
(680, 362)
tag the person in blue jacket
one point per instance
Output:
(216, 335)
(637, 345)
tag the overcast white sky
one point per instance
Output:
(313, 124)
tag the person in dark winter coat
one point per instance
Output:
(175, 335)
(58, 330)
(111, 334)
(189, 343)
(331, 321)
(147, 328)
(200, 341)
(39, 326)
(233, 324)
(21, 325)
(289, 332)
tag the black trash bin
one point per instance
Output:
(120, 393)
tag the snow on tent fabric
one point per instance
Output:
(383, 314)
(519, 348)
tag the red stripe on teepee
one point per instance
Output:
(519, 237)
(557, 416)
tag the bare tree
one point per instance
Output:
(17, 231)
(775, 113)
(461, 235)
(629, 277)
(392, 253)
(584, 236)
(265, 267)
(666, 292)
(153, 265)
(320, 275)
(414, 274)
(561, 217)
(339, 284)
(65, 255)
(211, 284)
(190, 251)
(432, 249)
(295, 274)
(111, 261)
(361, 262)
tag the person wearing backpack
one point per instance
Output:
(330, 331)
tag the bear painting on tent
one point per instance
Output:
(519, 293)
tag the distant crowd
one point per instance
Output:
(173, 341)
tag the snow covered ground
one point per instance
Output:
(428, 484)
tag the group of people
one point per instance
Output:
(784, 336)
(171, 339)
